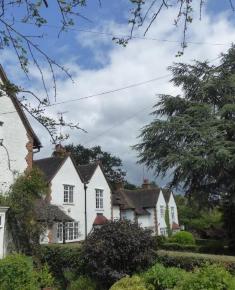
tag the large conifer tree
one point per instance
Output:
(193, 134)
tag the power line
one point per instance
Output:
(118, 124)
(128, 36)
(110, 91)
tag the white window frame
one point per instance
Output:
(60, 232)
(71, 231)
(163, 232)
(99, 198)
(162, 211)
(68, 194)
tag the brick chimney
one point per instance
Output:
(146, 184)
(59, 151)
(118, 185)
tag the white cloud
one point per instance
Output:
(107, 118)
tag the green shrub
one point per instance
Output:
(163, 278)
(183, 238)
(16, 273)
(179, 247)
(127, 283)
(117, 249)
(189, 261)
(44, 277)
(211, 246)
(60, 258)
(209, 277)
(82, 283)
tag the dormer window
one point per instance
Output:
(68, 193)
(99, 198)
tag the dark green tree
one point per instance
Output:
(117, 249)
(193, 134)
(112, 165)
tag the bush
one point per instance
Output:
(59, 259)
(163, 278)
(183, 238)
(117, 249)
(189, 261)
(210, 277)
(179, 247)
(82, 283)
(16, 273)
(127, 283)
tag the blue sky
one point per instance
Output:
(99, 64)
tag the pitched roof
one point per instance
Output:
(137, 199)
(87, 171)
(50, 166)
(166, 193)
(29, 129)
(50, 213)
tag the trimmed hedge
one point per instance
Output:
(179, 247)
(189, 261)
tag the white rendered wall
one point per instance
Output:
(128, 214)
(116, 212)
(3, 240)
(15, 138)
(68, 175)
(147, 221)
(172, 203)
(97, 181)
(161, 220)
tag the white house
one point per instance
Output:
(81, 192)
(18, 142)
(147, 206)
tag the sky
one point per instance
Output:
(97, 64)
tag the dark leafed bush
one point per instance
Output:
(61, 258)
(183, 238)
(117, 249)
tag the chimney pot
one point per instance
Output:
(146, 184)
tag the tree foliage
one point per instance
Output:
(193, 134)
(22, 221)
(112, 165)
(117, 249)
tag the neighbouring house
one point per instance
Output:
(81, 192)
(18, 142)
(147, 206)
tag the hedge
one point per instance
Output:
(179, 247)
(189, 261)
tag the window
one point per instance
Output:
(68, 193)
(162, 211)
(163, 231)
(99, 198)
(172, 213)
(60, 232)
(71, 231)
